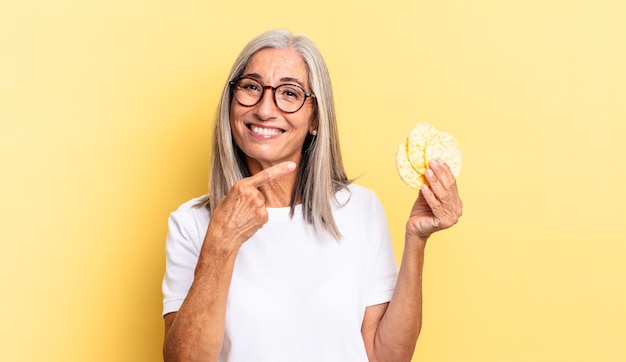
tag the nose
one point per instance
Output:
(266, 108)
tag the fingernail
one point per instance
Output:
(429, 173)
(291, 165)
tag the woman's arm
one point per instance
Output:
(196, 331)
(390, 330)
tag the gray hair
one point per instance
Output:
(321, 173)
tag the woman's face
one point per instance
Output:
(266, 134)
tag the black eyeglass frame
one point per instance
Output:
(233, 84)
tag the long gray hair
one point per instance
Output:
(321, 173)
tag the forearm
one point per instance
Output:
(400, 326)
(197, 330)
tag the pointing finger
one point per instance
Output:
(271, 173)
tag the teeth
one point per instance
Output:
(265, 131)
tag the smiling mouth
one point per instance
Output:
(264, 131)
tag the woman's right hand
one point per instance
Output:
(242, 211)
(196, 331)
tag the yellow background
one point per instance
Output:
(105, 118)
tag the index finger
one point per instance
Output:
(271, 173)
(443, 173)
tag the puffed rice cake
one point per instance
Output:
(423, 144)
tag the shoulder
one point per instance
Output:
(191, 207)
(358, 201)
(356, 195)
(361, 217)
(190, 217)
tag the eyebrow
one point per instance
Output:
(258, 77)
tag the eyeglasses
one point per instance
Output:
(289, 98)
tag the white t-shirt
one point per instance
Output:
(294, 296)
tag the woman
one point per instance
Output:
(286, 259)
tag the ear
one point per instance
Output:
(313, 129)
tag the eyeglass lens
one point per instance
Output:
(288, 97)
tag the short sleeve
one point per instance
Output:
(384, 271)
(186, 229)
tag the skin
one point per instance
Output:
(389, 330)
(274, 67)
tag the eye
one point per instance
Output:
(290, 92)
(250, 86)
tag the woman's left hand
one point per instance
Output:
(438, 206)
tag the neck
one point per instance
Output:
(278, 192)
